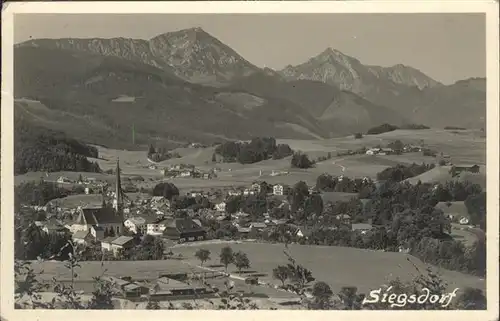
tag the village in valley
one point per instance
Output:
(116, 219)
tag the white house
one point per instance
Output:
(135, 224)
(185, 174)
(278, 189)
(464, 221)
(220, 207)
(256, 187)
(63, 180)
(157, 227)
(372, 151)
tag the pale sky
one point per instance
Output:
(447, 47)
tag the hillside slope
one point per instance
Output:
(338, 111)
(80, 90)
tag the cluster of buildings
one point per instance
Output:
(389, 151)
(188, 171)
(107, 224)
(165, 287)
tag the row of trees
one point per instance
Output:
(226, 257)
(258, 149)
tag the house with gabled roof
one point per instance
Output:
(183, 230)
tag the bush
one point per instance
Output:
(358, 136)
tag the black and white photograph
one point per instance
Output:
(251, 160)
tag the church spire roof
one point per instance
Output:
(118, 191)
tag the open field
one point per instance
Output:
(441, 174)
(338, 266)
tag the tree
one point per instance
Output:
(102, 296)
(300, 192)
(203, 255)
(241, 261)
(233, 204)
(281, 272)
(396, 145)
(350, 298)
(476, 207)
(226, 256)
(322, 294)
(165, 189)
(300, 160)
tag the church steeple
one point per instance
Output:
(118, 201)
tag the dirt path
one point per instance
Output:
(342, 167)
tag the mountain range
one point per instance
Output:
(188, 86)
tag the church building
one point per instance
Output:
(105, 218)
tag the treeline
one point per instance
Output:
(39, 149)
(400, 172)
(414, 126)
(258, 149)
(384, 128)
